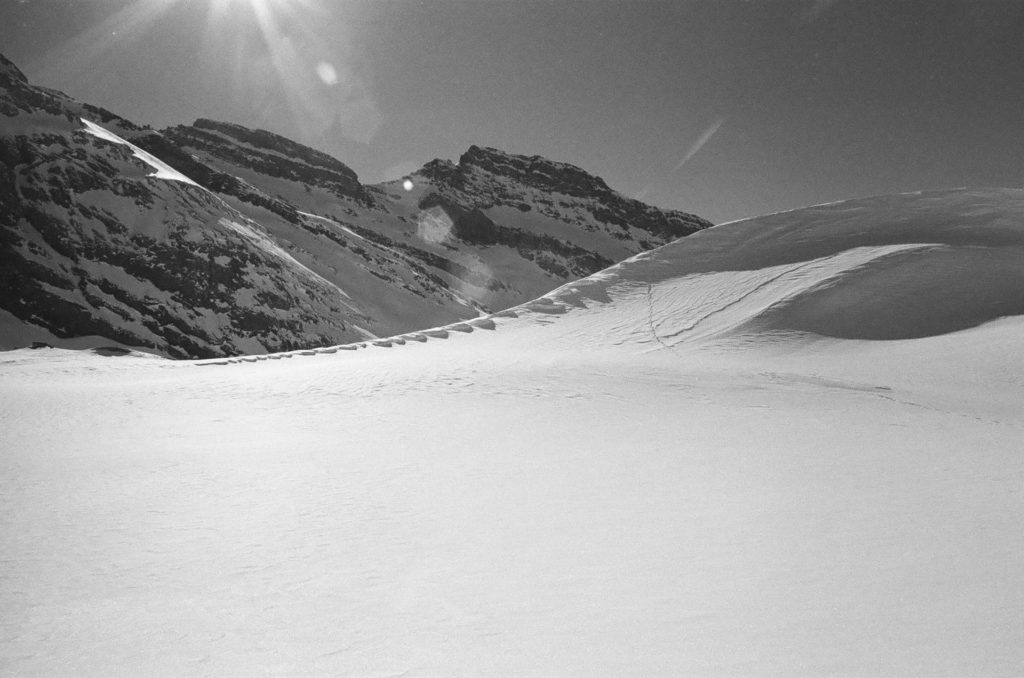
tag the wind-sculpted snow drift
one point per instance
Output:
(892, 267)
(784, 446)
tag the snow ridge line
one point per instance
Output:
(419, 336)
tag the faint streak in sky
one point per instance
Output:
(699, 144)
(703, 139)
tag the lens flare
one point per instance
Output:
(433, 225)
(327, 73)
(274, 57)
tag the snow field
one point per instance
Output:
(654, 471)
(464, 516)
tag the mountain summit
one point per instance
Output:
(9, 73)
(535, 171)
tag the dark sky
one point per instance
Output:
(721, 107)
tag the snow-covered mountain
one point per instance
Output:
(492, 231)
(784, 446)
(100, 238)
(214, 239)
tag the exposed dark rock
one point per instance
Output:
(535, 171)
(266, 153)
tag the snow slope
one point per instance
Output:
(163, 170)
(689, 464)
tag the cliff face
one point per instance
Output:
(267, 154)
(213, 239)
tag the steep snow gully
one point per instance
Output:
(784, 446)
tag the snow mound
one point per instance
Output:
(891, 267)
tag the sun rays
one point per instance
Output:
(292, 65)
(281, 62)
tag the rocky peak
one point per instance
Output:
(440, 170)
(10, 74)
(535, 171)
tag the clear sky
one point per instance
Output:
(726, 108)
